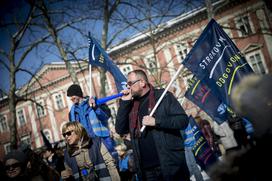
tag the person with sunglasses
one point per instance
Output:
(15, 165)
(93, 117)
(159, 149)
(86, 158)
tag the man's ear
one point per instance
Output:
(143, 84)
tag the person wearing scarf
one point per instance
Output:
(158, 150)
(86, 158)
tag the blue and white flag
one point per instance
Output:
(98, 57)
(202, 96)
(217, 62)
(203, 153)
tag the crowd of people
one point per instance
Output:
(163, 150)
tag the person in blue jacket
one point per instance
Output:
(93, 117)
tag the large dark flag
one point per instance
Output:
(203, 153)
(98, 57)
(202, 96)
(216, 61)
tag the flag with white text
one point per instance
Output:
(217, 62)
(98, 57)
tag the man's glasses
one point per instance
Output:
(130, 83)
(68, 133)
(14, 165)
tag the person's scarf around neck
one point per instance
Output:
(76, 149)
(135, 123)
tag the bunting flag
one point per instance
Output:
(204, 155)
(202, 96)
(217, 62)
(98, 57)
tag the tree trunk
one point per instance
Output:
(103, 77)
(53, 32)
(209, 9)
(12, 106)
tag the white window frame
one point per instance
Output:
(5, 120)
(18, 120)
(253, 53)
(263, 23)
(55, 101)
(41, 102)
(125, 69)
(48, 134)
(7, 148)
(181, 47)
(27, 137)
(149, 68)
(250, 24)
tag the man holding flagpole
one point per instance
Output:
(159, 150)
(94, 118)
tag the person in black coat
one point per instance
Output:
(158, 150)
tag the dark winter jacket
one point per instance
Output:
(170, 119)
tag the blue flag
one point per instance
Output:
(98, 57)
(216, 61)
(202, 96)
(204, 155)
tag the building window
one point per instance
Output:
(255, 61)
(126, 69)
(243, 25)
(3, 123)
(59, 102)
(40, 109)
(48, 135)
(107, 85)
(151, 64)
(26, 140)
(182, 51)
(7, 148)
(21, 117)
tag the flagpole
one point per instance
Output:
(90, 70)
(90, 81)
(163, 94)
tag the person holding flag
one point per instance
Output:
(94, 118)
(158, 150)
(189, 143)
(90, 112)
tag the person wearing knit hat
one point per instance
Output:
(74, 90)
(15, 165)
(93, 117)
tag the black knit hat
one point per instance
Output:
(17, 155)
(74, 90)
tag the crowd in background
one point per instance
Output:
(95, 151)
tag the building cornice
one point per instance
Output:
(170, 27)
